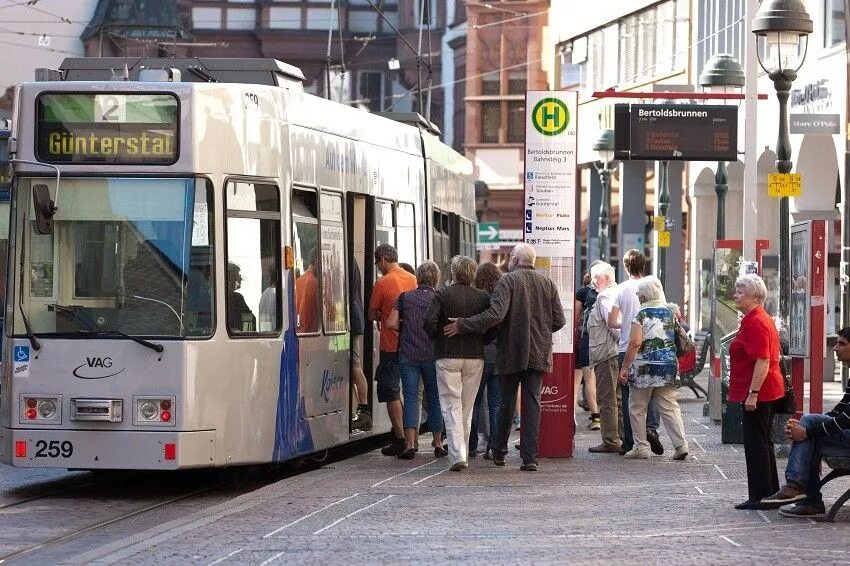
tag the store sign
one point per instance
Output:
(676, 132)
(109, 128)
(824, 124)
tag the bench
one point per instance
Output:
(702, 340)
(840, 467)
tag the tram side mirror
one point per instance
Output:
(45, 209)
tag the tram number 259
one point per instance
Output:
(53, 449)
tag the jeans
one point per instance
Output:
(490, 381)
(804, 459)
(532, 381)
(410, 375)
(653, 418)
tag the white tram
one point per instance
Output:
(185, 301)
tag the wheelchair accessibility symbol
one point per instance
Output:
(21, 353)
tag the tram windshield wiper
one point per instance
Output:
(36, 345)
(77, 316)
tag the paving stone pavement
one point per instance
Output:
(592, 509)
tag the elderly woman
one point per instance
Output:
(460, 359)
(652, 370)
(416, 359)
(756, 381)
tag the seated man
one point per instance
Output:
(814, 436)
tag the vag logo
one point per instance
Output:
(96, 367)
(330, 384)
(549, 390)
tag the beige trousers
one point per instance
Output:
(668, 407)
(608, 398)
(457, 381)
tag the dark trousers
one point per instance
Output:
(762, 479)
(531, 381)
(490, 383)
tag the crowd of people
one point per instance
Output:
(486, 336)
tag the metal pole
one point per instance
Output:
(782, 83)
(663, 206)
(604, 212)
(721, 187)
(751, 149)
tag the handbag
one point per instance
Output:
(787, 404)
(684, 344)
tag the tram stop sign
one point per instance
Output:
(488, 232)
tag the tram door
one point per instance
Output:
(362, 274)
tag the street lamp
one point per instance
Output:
(782, 28)
(721, 74)
(604, 147)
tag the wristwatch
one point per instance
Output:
(756, 391)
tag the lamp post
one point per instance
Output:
(604, 146)
(721, 73)
(784, 26)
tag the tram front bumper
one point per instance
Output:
(107, 450)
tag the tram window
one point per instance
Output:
(200, 284)
(406, 233)
(384, 225)
(333, 264)
(96, 259)
(41, 264)
(253, 258)
(305, 241)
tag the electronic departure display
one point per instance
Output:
(107, 128)
(676, 132)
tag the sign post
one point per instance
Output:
(550, 225)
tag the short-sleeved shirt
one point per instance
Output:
(384, 295)
(757, 339)
(655, 364)
(627, 301)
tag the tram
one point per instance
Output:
(160, 228)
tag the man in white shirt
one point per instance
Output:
(626, 306)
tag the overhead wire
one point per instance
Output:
(30, 4)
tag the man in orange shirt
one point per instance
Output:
(306, 297)
(394, 282)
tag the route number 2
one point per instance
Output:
(53, 449)
(110, 108)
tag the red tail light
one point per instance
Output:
(165, 416)
(165, 406)
(170, 451)
(20, 449)
(31, 414)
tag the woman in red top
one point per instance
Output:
(755, 380)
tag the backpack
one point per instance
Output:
(603, 342)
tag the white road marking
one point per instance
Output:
(353, 513)
(734, 449)
(401, 474)
(695, 441)
(223, 558)
(695, 458)
(699, 490)
(763, 516)
(701, 424)
(417, 482)
(273, 558)
(316, 512)
(722, 473)
(730, 541)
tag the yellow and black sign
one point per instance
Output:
(784, 185)
(107, 128)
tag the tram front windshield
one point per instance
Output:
(127, 255)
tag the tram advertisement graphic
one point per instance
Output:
(107, 128)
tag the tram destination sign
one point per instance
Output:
(676, 132)
(110, 128)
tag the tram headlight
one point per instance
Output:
(47, 408)
(149, 410)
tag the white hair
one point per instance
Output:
(603, 269)
(649, 288)
(674, 308)
(524, 255)
(753, 286)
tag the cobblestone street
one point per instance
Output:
(592, 509)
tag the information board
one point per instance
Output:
(108, 128)
(676, 132)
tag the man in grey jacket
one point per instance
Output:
(526, 304)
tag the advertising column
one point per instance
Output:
(550, 226)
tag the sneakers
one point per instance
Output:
(604, 448)
(595, 423)
(681, 452)
(486, 455)
(803, 510)
(529, 467)
(395, 448)
(789, 493)
(637, 454)
(408, 454)
(654, 442)
(459, 466)
(363, 421)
